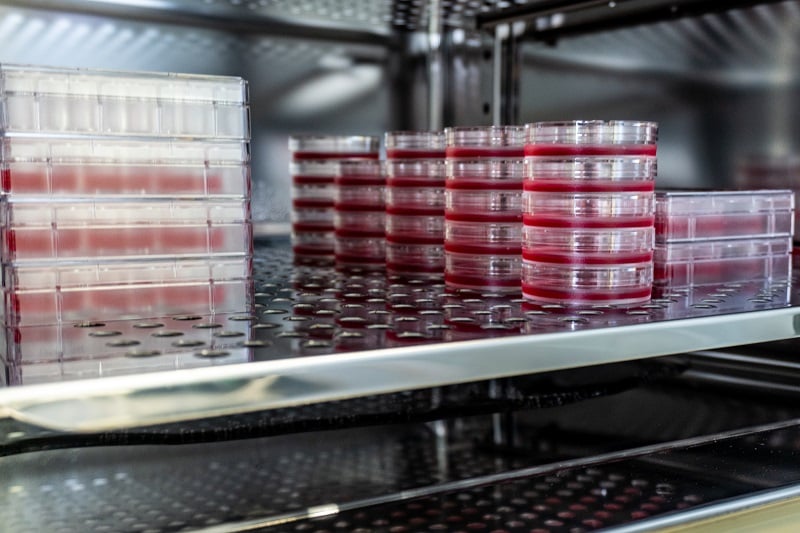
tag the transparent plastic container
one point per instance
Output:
(485, 141)
(416, 228)
(602, 210)
(625, 284)
(415, 200)
(723, 261)
(313, 219)
(361, 252)
(52, 293)
(414, 144)
(695, 215)
(587, 245)
(591, 137)
(359, 223)
(360, 185)
(123, 167)
(415, 172)
(590, 174)
(486, 206)
(85, 228)
(333, 147)
(475, 174)
(316, 195)
(314, 171)
(414, 260)
(314, 245)
(496, 273)
(70, 101)
(483, 237)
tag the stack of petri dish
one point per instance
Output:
(415, 204)
(589, 212)
(719, 237)
(314, 167)
(483, 207)
(360, 215)
(125, 195)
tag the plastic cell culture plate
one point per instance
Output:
(70, 101)
(484, 142)
(693, 215)
(587, 245)
(723, 261)
(116, 167)
(601, 210)
(591, 137)
(419, 229)
(624, 284)
(34, 230)
(404, 145)
(590, 174)
(61, 292)
(493, 272)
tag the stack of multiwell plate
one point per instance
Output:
(716, 237)
(124, 195)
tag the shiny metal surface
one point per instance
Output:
(321, 335)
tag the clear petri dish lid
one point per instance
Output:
(333, 146)
(485, 169)
(362, 169)
(484, 138)
(591, 167)
(406, 143)
(420, 169)
(592, 132)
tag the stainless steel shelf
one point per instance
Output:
(315, 338)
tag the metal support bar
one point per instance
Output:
(505, 74)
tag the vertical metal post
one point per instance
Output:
(505, 74)
(435, 68)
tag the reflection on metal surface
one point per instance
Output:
(321, 335)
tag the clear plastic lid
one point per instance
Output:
(592, 132)
(29, 79)
(401, 170)
(539, 206)
(122, 151)
(79, 102)
(722, 249)
(362, 171)
(485, 171)
(485, 136)
(539, 239)
(573, 173)
(334, 146)
(414, 144)
(669, 203)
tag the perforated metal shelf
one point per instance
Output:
(318, 335)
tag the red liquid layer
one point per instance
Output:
(359, 232)
(300, 156)
(313, 180)
(493, 217)
(402, 153)
(481, 282)
(303, 249)
(350, 181)
(510, 152)
(366, 208)
(612, 258)
(415, 211)
(311, 227)
(589, 149)
(587, 222)
(312, 203)
(462, 184)
(405, 239)
(577, 185)
(415, 181)
(589, 295)
(482, 249)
